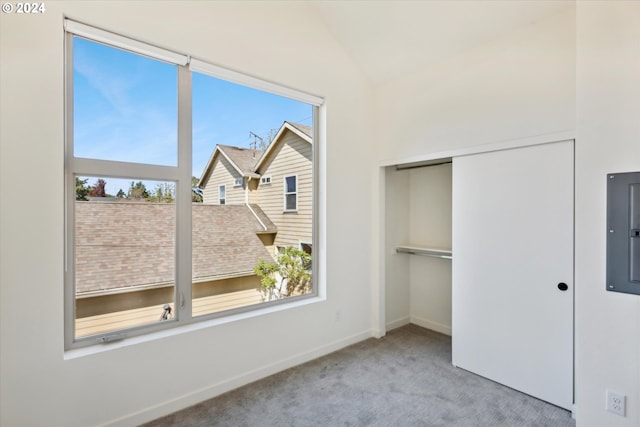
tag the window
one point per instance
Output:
(265, 180)
(222, 194)
(307, 248)
(290, 193)
(140, 129)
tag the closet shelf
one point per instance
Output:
(424, 251)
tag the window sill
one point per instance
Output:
(194, 326)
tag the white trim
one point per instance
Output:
(484, 148)
(276, 139)
(295, 130)
(208, 169)
(286, 193)
(221, 151)
(212, 390)
(256, 216)
(125, 170)
(181, 174)
(223, 187)
(265, 180)
(217, 71)
(115, 40)
(430, 324)
(393, 324)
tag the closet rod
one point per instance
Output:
(435, 253)
(400, 168)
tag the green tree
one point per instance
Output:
(288, 275)
(81, 189)
(121, 194)
(163, 193)
(137, 190)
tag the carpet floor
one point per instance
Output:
(403, 379)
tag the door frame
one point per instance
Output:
(379, 325)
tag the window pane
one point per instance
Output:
(234, 245)
(125, 105)
(291, 184)
(124, 253)
(291, 202)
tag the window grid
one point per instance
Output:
(222, 194)
(290, 193)
(180, 175)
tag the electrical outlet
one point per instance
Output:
(616, 402)
(338, 315)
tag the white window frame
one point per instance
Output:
(289, 193)
(180, 174)
(265, 180)
(238, 182)
(222, 190)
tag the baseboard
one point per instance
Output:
(217, 389)
(398, 322)
(429, 324)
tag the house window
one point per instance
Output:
(222, 194)
(265, 180)
(291, 193)
(131, 220)
(307, 248)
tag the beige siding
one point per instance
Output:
(292, 157)
(253, 193)
(222, 174)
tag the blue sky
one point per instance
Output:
(125, 108)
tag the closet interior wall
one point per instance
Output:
(418, 214)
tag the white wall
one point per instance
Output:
(608, 105)
(517, 87)
(430, 225)
(396, 232)
(129, 384)
(525, 85)
(418, 213)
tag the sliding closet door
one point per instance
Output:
(513, 268)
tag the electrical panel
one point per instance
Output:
(623, 232)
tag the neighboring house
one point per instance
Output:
(229, 175)
(278, 180)
(286, 185)
(111, 264)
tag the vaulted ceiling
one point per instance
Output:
(388, 39)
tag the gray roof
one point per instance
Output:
(269, 226)
(120, 245)
(243, 158)
(307, 130)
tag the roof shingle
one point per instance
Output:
(243, 158)
(120, 245)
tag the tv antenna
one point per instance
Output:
(256, 137)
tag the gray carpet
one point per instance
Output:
(403, 379)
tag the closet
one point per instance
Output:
(505, 294)
(418, 245)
